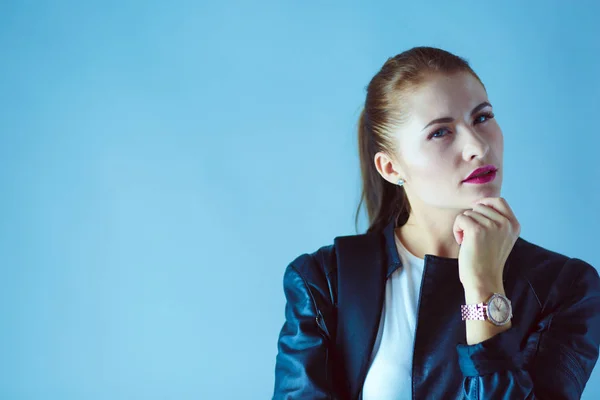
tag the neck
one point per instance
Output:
(432, 235)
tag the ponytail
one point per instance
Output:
(384, 201)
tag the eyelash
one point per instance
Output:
(488, 116)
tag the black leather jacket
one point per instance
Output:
(332, 316)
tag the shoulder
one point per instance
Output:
(535, 259)
(314, 272)
(549, 271)
(321, 261)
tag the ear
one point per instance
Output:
(388, 168)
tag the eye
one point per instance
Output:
(433, 135)
(487, 115)
(481, 118)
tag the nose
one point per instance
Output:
(474, 144)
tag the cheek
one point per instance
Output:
(430, 163)
(493, 136)
(433, 168)
(436, 182)
(494, 131)
(497, 140)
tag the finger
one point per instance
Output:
(490, 213)
(461, 223)
(501, 206)
(498, 204)
(480, 219)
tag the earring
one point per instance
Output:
(401, 182)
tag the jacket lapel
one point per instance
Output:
(364, 262)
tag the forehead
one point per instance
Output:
(443, 95)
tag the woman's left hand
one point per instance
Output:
(487, 235)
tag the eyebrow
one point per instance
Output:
(450, 119)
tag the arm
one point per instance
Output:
(558, 356)
(301, 370)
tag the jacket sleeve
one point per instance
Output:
(558, 357)
(301, 370)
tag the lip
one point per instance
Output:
(480, 171)
(482, 179)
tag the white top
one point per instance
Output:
(390, 373)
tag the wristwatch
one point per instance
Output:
(497, 310)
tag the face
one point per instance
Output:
(434, 156)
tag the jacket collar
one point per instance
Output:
(393, 261)
(392, 258)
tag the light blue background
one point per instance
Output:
(162, 163)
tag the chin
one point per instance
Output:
(487, 191)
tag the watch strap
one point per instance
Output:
(474, 311)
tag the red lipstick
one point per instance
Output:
(482, 175)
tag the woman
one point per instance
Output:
(441, 298)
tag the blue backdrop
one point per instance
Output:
(162, 163)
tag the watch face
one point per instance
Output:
(499, 310)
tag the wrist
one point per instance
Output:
(480, 293)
